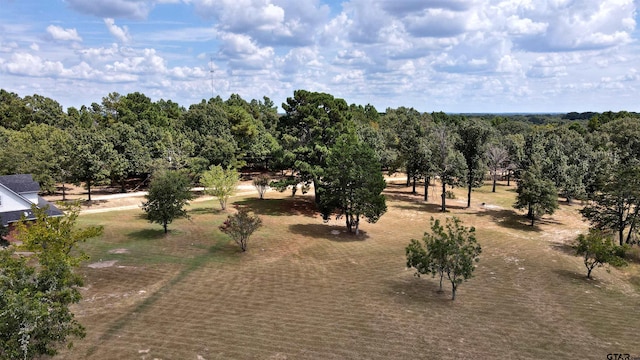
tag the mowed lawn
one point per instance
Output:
(307, 290)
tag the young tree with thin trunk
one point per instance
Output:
(169, 193)
(451, 249)
(448, 162)
(220, 183)
(497, 157)
(598, 249)
(261, 183)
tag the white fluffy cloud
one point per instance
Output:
(132, 9)
(58, 33)
(120, 33)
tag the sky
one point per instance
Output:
(457, 56)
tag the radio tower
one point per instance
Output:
(211, 72)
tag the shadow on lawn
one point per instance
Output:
(510, 219)
(281, 207)
(322, 231)
(147, 234)
(420, 291)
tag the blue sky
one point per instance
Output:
(433, 55)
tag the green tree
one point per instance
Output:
(92, 157)
(352, 184)
(310, 127)
(169, 193)
(472, 139)
(220, 183)
(539, 196)
(4, 231)
(261, 183)
(451, 251)
(448, 162)
(35, 298)
(617, 206)
(598, 249)
(241, 226)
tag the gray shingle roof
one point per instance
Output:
(14, 216)
(20, 183)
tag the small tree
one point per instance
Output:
(451, 251)
(497, 157)
(35, 298)
(220, 183)
(598, 249)
(169, 192)
(539, 196)
(261, 183)
(240, 226)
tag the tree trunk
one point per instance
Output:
(426, 188)
(470, 180)
(454, 287)
(414, 185)
(441, 277)
(509, 178)
(89, 189)
(494, 183)
(164, 224)
(589, 272)
(443, 208)
(621, 235)
(122, 185)
(357, 225)
(64, 193)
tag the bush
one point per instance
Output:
(240, 226)
(261, 183)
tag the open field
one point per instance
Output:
(307, 290)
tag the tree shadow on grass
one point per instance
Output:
(281, 207)
(577, 276)
(509, 219)
(328, 232)
(205, 211)
(420, 290)
(148, 234)
(566, 249)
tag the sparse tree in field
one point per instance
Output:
(472, 139)
(448, 162)
(497, 158)
(261, 183)
(617, 206)
(220, 183)
(35, 318)
(451, 251)
(539, 196)
(597, 249)
(240, 226)
(352, 184)
(169, 193)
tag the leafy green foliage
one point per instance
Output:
(352, 184)
(35, 317)
(261, 183)
(4, 231)
(241, 226)
(220, 183)
(452, 251)
(617, 206)
(539, 196)
(472, 141)
(597, 249)
(169, 193)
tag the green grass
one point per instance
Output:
(303, 292)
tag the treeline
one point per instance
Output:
(581, 156)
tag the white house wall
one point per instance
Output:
(9, 201)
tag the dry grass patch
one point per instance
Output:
(307, 290)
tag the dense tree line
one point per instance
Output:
(590, 157)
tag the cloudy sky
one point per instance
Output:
(433, 55)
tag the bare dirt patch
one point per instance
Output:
(102, 264)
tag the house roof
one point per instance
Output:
(20, 183)
(15, 216)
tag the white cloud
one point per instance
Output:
(120, 33)
(34, 47)
(60, 34)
